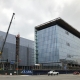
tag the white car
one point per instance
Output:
(53, 73)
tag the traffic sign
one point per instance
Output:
(12, 62)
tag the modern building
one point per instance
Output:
(57, 44)
(26, 52)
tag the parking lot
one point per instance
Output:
(40, 77)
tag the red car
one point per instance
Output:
(76, 73)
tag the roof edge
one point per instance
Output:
(59, 21)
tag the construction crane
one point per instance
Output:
(6, 35)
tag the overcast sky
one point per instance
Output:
(30, 13)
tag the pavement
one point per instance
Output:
(40, 77)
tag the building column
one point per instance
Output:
(10, 67)
(3, 65)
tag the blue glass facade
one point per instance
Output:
(68, 45)
(47, 45)
(56, 44)
(26, 51)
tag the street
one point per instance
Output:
(40, 77)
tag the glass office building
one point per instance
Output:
(56, 41)
(26, 51)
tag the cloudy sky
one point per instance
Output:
(30, 13)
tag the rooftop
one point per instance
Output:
(61, 23)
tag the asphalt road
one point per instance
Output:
(41, 77)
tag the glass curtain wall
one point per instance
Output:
(68, 45)
(54, 44)
(46, 45)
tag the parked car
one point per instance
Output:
(76, 73)
(53, 73)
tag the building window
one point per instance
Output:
(67, 32)
(67, 44)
